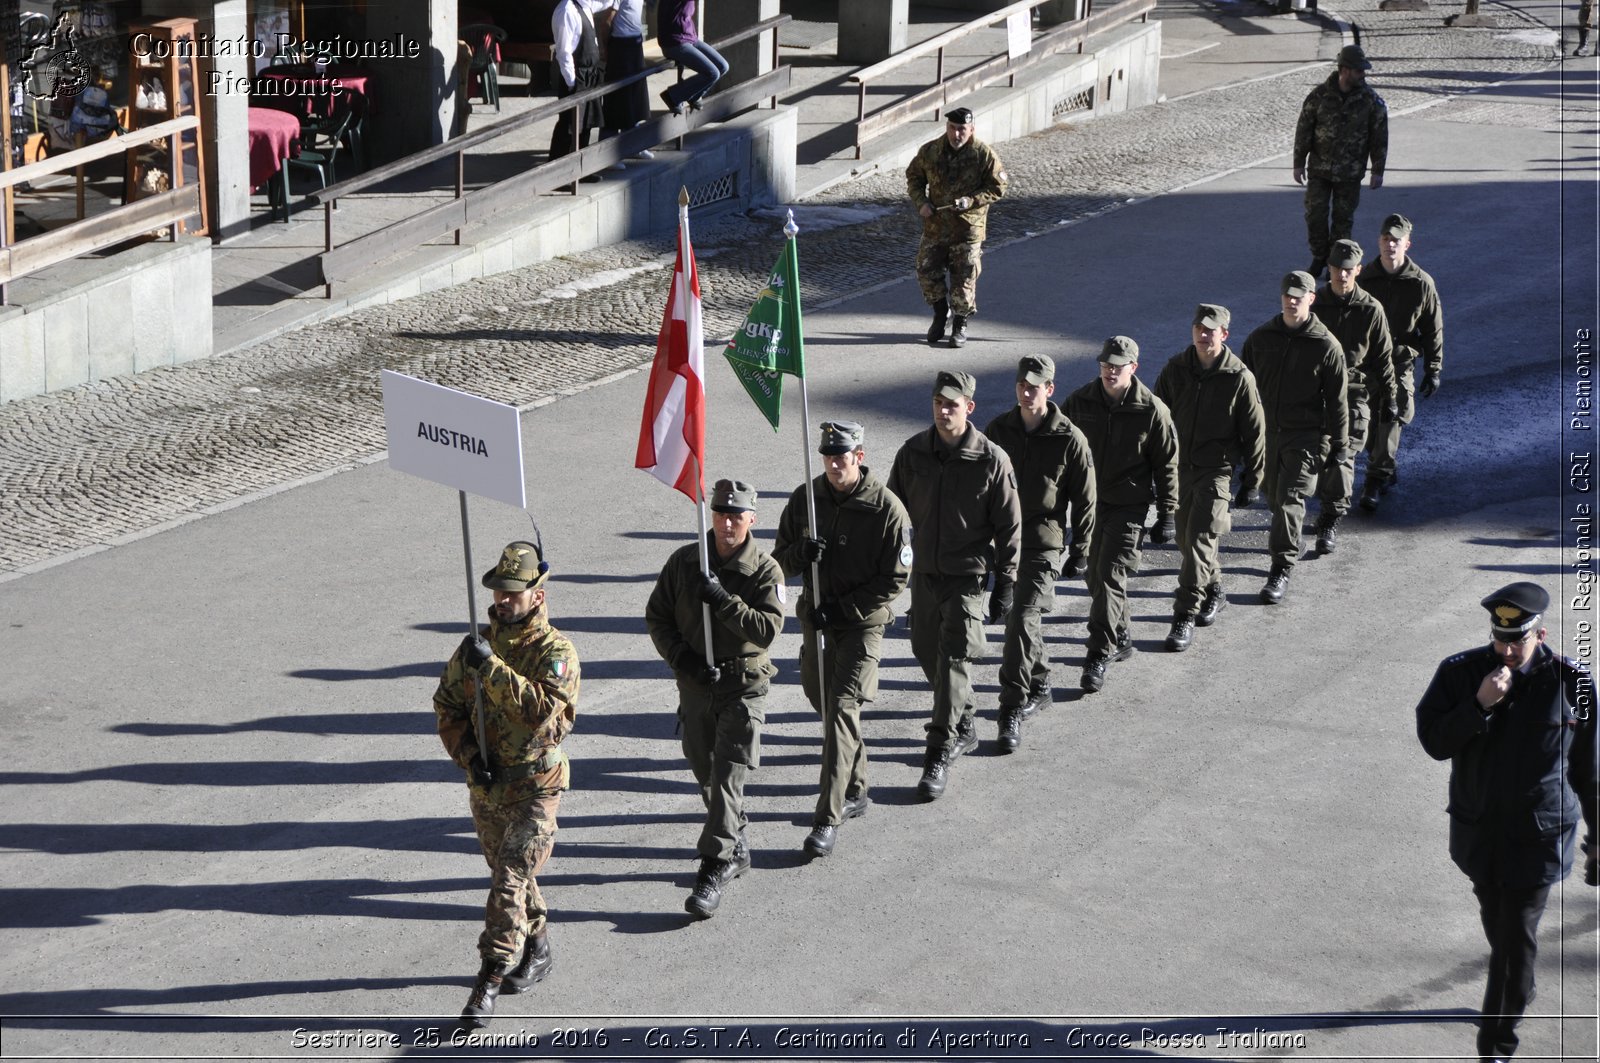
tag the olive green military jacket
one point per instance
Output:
(1216, 412)
(743, 626)
(1339, 131)
(1301, 376)
(962, 500)
(1134, 444)
(1410, 300)
(530, 697)
(939, 175)
(1054, 470)
(868, 558)
(1362, 329)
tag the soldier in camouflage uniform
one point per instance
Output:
(1410, 302)
(1358, 322)
(1586, 22)
(862, 549)
(721, 705)
(951, 182)
(527, 675)
(1343, 123)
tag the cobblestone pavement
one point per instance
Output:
(91, 466)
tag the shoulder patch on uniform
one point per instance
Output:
(783, 594)
(558, 667)
(905, 555)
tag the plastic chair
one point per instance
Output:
(485, 41)
(321, 141)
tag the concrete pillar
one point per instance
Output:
(751, 58)
(1056, 12)
(415, 98)
(870, 30)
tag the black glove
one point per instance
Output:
(1077, 566)
(1430, 383)
(1390, 412)
(1000, 598)
(476, 652)
(691, 665)
(1165, 529)
(811, 549)
(479, 772)
(712, 592)
(825, 614)
(1591, 865)
(707, 674)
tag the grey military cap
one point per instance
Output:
(841, 437)
(1396, 225)
(1344, 253)
(1037, 369)
(1119, 350)
(1212, 315)
(1298, 283)
(733, 496)
(949, 385)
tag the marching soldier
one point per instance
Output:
(1216, 412)
(1054, 471)
(721, 704)
(1342, 124)
(526, 673)
(1135, 452)
(951, 181)
(961, 495)
(861, 547)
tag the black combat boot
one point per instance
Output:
(820, 841)
(1327, 532)
(966, 739)
(958, 331)
(536, 962)
(855, 807)
(1010, 737)
(706, 897)
(935, 772)
(1213, 605)
(1038, 701)
(485, 991)
(1182, 633)
(941, 313)
(1277, 585)
(1094, 673)
(1124, 648)
(1371, 492)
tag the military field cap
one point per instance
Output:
(1211, 315)
(733, 496)
(948, 385)
(1119, 350)
(959, 115)
(1516, 609)
(1396, 225)
(1036, 369)
(1344, 253)
(841, 437)
(1353, 57)
(521, 568)
(1298, 283)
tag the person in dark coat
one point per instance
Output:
(1516, 721)
(576, 66)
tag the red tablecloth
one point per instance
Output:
(274, 136)
(303, 90)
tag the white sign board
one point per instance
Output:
(463, 441)
(1019, 34)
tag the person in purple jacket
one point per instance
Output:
(680, 42)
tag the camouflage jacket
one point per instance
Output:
(962, 501)
(1339, 131)
(1300, 372)
(868, 559)
(743, 626)
(939, 175)
(530, 696)
(1216, 413)
(1410, 300)
(1054, 470)
(1362, 329)
(1134, 445)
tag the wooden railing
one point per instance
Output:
(160, 211)
(345, 261)
(944, 90)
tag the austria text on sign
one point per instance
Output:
(463, 441)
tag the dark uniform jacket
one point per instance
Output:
(1216, 412)
(744, 626)
(868, 558)
(962, 501)
(530, 697)
(1301, 376)
(1134, 444)
(1338, 131)
(1410, 301)
(1362, 329)
(1520, 778)
(1054, 468)
(939, 174)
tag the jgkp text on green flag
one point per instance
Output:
(771, 342)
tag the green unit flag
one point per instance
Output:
(771, 342)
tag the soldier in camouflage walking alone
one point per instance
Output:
(952, 181)
(1343, 123)
(527, 675)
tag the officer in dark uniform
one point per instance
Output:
(721, 705)
(861, 546)
(1517, 723)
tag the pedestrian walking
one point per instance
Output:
(861, 550)
(1343, 124)
(519, 679)
(1586, 23)
(952, 180)
(679, 34)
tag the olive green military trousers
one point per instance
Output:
(1025, 661)
(1383, 438)
(1118, 535)
(1322, 197)
(516, 840)
(1203, 519)
(722, 742)
(946, 637)
(1294, 459)
(851, 656)
(1335, 485)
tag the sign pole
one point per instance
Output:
(472, 629)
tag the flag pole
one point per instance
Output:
(790, 231)
(472, 629)
(699, 470)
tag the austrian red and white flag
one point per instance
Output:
(672, 439)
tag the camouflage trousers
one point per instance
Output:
(946, 637)
(962, 259)
(1294, 459)
(1383, 439)
(1342, 197)
(1336, 485)
(1025, 660)
(851, 656)
(1114, 553)
(516, 839)
(722, 742)
(1203, 519)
